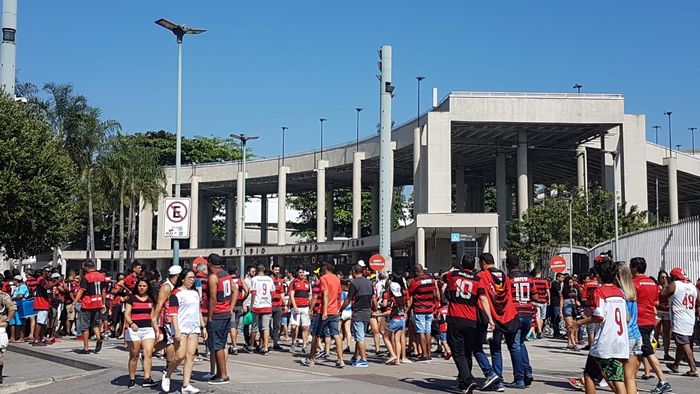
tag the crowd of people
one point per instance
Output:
(615, 310)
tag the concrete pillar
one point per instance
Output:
(420, 246)
(501, 196)
(194, 213)
(523, 198)
(417, 189)
(145, 225)
(321, 201)
(282, 206)
(162, 242)
(607, 165)
(330, 206)
(207, 215)
(357, 194)
(671, 166)
(375, 206)
(460, 190)
(493, 244)
(230, 237)
(581, 167)
(240, 202)
(263, 219)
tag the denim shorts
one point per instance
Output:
(358, 329)
(395, 325)
(636, 346)
(218, 332)
(569, 309)
(324, 328)
(443, 337)
(423, 322)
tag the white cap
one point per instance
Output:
(55, 275)
(174, 270)
(19, 278)
(395, 289)
(361, 263)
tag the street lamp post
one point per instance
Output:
(357, 129)
(179, 31)
(284, 131)
(656, 129)
(692, 138)
(615, 156)
(419, 79)
(244, 138)
(670, 146)
(322, 120)
(578, 88)
(678, 147)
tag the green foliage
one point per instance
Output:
(194, 150)
(38, 178)
(546, 226)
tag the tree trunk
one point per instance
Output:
(91, 226)
(130, 232)
(121, 228)
(111, 240)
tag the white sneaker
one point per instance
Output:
(189, 389)
(165, 383)
(603, 384)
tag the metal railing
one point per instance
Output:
(664, 247)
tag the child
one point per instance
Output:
(442, 321)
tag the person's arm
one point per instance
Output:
(292, 301)
(253, 293)
(212, 286)
(351, 294)
(173, 308)
(312, 302)
(234, 295)
(163, 294)
(486, 307)
(324, 306)
(127, 317)
(245, 291)
(104, 296)
(668, 291)
(10, 307)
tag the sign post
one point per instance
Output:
(557, 264)
(176, 221)
(377, 262)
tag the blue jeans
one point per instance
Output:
(519, 344)
(513, 349)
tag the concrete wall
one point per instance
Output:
(633, 162)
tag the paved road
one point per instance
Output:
(282, 372)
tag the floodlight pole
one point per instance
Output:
(656, 128)
(692, 138)
(244, 139)
(385, 157)
(357, 129)
(615, 157)
(670, 144)
(8, 47)
(284, 131)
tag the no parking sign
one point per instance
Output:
(176, 221)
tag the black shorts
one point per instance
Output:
(90, 318)
(681, 339)
(218, 332)
(647, 349)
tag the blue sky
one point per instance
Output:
(266, 64)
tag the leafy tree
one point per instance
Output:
(546, 226)
(37, 207)
(194, 150)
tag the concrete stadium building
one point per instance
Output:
(467, 141)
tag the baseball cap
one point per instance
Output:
(55, 275)
(174, 270)
(18, 277)
(678, 273)
(395, 289)
(361, 263)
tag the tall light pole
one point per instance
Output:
(678, 147)
(244, 138)
(386, 164)
(578, 88)
(692, 138)
(322, 120)
(419, 79)
(615, 157)
(656, 129)
(670, 146)
(284, 131)
(8, 47)
(357, 129)
(179, 31)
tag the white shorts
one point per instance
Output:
(143, 333)
(302, 316)
(346, 315)
(42, 317)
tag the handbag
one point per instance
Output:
(247, 318)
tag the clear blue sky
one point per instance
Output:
(263, 64)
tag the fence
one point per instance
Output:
(664, 247)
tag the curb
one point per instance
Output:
(32, 384)
(56, 358)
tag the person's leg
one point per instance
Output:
(477, 348)
(556, 318)
(254, 328)
(179, 357)
(515, 343)
(191, 346)
(276, 317)
(267, 321)
(525, 323)
(631, 368)
(134, 350)
(389, 342)
(402, 339)
(457, 342)
(147, 345)
(374, 325)
(688, 352)
(360, 344)
(496, 355)
(666, 335)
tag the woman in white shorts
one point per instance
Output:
(187, 325)
(345, 315)
(140, 333)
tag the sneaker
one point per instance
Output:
(470, 388)
(98, 347)
(320, 353)
(189, 389)
(489, 383)
(668, 358)
(277, 348)
(308, 362)
(235, 351)
(148, 382)
(303, 350)
(517, 384)
(425, 360)
(132, 383)
(576, 383)
(230, 351)
(219, 381)
(209, 376)
(165, 383)
(247, 349)
(406, 361)
(447, 356)
(293, 349)
(673, 368)
(265, 351)
(661, 388)
(361, 364)
(528, 380)
(340, 364)
(603, 384)
(500, 387)
(84, 351)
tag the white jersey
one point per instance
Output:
(262, 287)
(682, 303)
(185, 305)
(611, 340)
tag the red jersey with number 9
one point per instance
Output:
(222, 310)
(91, 285)
(463, 291)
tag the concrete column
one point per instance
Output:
(375, 206)
(493, 244)
(523, 198)
(581, 167)
(263, 219)
(240, 202)
(330, 206)
(420, 246)
(194, 213)
(416, 170)
(460, 190)
(357, 194)
(207, 215)
(162, 242)
(607, 166)
(282, 206)
(321, 201)
(501, 196)
(145, 225)
(671, 166)
(230, 237)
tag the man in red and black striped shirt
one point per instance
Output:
(521, 288)
(92, 304)
(424, 295)
(540, 292)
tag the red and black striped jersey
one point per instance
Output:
(278, 294)
(316, 291)
(203, 280)
(540, 289)
(521, 292)
(498, 289)
(301, 292)
(422, 292)
(222, 310)
(463, 291)
(91, 285)
(141, 309)
(41, 296)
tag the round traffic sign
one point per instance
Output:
(557, 264)
(377, 262)
(176, 211)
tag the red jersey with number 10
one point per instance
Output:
(463, 291)
(91, 285)
(521, 287)
(222, 310)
